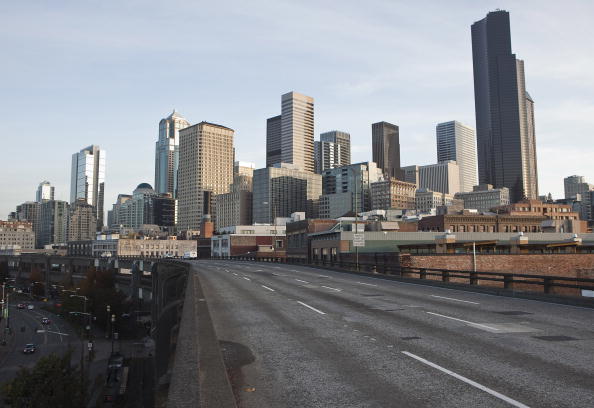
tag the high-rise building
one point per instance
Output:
(578, 189)
(53, 223)
(355, 179)
(457, 142)
(45, 191)
(163, 210)
(273, 141)
(411, 174)
(82, 221)
(241, 168)
(115, 218)
(167, 153)
(297, 130)
(343, 141)
(235, 207)
(385, 139)
(326, 155)
(205, 170)
(506, 141)
(284, 189)
(87, 179)
(443, 177)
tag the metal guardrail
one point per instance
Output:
(508, 280)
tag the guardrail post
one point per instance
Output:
(548, 284)
(422, 273)
(473, 278)
(445, 276)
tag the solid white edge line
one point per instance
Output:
(246, 278)
(464, 321)
(310, 307)
(328, 287)
(266, 287)
(468, 381)
(455, 300)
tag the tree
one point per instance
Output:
(52, 382)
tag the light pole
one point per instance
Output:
(112, 327)
(107, 322)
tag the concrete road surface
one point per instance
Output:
(297, 336)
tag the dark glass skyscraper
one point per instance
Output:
(504, 110)
(385, 139)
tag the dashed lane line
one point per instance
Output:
(468, 381)
(484, 326)
(266, 287)
(328, 287)
(311, 307)
(455, 300)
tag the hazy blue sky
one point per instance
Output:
(75, 73)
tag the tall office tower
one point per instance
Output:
(578, 189)
(82, 221)
(343, 139)
(116, 218)
(411, 174)
(457, 142)
(327, 155)
(443, 177)
(29, 211)
(45, 191)
(205, 170)
(354, 179)
(53, 223)
(285, 189)
(87, 179)
(385, 140)
(504, 110)
(273, 141)
(297, 130)
(167, 152)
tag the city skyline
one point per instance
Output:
(126, 127)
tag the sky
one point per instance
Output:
(76, 73)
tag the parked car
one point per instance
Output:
(30, 307)
(45, 320)
(20, 306)
(29, 348)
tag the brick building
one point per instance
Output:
(393, 193)
(474, 222)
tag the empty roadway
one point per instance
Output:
(308, 337)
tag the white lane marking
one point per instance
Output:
(455, 300)
(328, 287)
(465, 321)
(227, 270)
(299, 280)
(266, 287)
(468, 381)
(259, 270)
(310, 307)
(235, 274)
(246, 278)
(323, 276)
(368, 284)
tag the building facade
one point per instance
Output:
(82, 221)
(427, 200)
(53, 223)
(249, 240)
(326, 155)
(385, 139)
(393, 194)
(205, 170)
(578, 189)
(473, 222)
(342, 139)
(283, 190)
(45, 191)
(484, 197)
(443, 177)
(17, 233)
(167, 153)
(457, 142)
(297, 130)
(506, 141)
(87, 180)
(235, 207)
(273, 141)
(155, 248)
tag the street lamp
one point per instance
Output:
(107, 322)
(112, 327)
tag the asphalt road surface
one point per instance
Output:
(297, 336)
(54, 337)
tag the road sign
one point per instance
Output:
(359, 240)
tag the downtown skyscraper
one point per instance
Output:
(385, 139)
(167, 153)
(332, 150)
(504, 110)
(292, 141)
(87, 179)
(456, 141)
